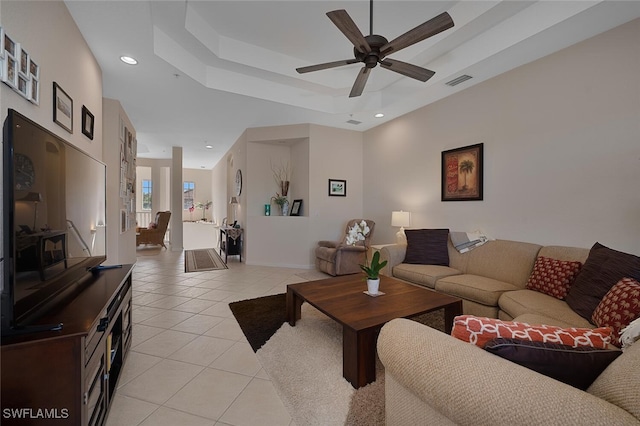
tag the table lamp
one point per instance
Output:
(401, 219)
(234, 202)
(34, 197)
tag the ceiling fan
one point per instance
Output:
(373, 49)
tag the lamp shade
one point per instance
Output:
(35, 197)
(233, 200)
(401, 219)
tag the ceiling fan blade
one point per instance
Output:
(343, 21)
(421, 32)
(409, 70)
(326, 65)
(361, 80)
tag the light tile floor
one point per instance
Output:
(190, 363)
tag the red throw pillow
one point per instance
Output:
(553, 277)
(480, 330)
(618, 307)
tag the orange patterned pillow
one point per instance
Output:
(553, 277)
(480, 330)
(618, 307)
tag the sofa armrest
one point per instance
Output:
(329, 244)
(467, 385)
(394, 255)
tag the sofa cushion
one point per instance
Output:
(602, 270)
(537, 319)
(522, 302)
(478, 289)
(480, 330)
(577, 367)
(618, 307)
(553, 276)
(618, 384)
(503, 260)
(425, 275)
(427, 247)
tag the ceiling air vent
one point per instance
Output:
(458, 80)
(354, 122)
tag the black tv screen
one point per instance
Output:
(54, 218)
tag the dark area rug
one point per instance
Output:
(260, 318)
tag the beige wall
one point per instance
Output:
(121, 246)
(317, 153)
(67, 61)
(561, 147)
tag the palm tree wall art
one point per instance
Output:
(462, 173)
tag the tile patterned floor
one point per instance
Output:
(189, 362)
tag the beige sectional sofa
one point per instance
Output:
(435, 379)
(491, 280)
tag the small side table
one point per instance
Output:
(230, 242)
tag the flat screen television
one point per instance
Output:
(54, 214)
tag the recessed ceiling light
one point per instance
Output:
(202, 167)
(209, 146)
(379, 115)
(128, 60)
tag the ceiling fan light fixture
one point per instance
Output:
(129, 60)
(373, 49)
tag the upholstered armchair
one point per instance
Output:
(154, 234)
(340, 258)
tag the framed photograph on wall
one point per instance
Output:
(62, 108)
(87, 122)
(296, 208)
(24, 63)
(337, 188)
(10, 72)
(462, 173)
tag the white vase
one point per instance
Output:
(285, 208)
(373, 285)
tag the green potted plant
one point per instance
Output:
(374, 268)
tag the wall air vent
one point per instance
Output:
(458, 80)
(354, 122)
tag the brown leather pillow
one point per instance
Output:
(427, 247)
(602, 270)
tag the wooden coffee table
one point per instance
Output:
(362, 316)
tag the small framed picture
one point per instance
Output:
(462, 173)
(23, 86)
(35, 91)
(9, 45)
(34, 69)
(337, 188)
(87, 122)
(24, 63)
(296, 208)
(62, 108)
(10, 74)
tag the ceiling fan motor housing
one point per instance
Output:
(372, 58)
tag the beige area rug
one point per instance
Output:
(202, 260)
(305, 365)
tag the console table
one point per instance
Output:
(230, 242)
(69, 376)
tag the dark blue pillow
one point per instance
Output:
(577, 367)
(427, 247)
